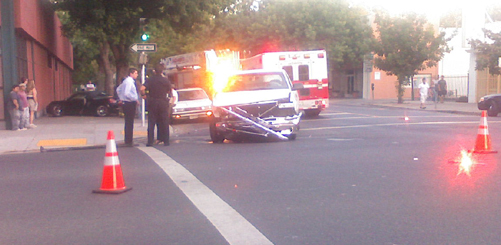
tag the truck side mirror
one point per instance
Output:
(297, 86)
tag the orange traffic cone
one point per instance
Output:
(113, 182)
(483, 143)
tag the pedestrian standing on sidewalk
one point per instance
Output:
(32, 101)
(423, 92)
(158, 88)
(442, 89)
(23, 80)
(13, 107)
(127, 93)
(24, 109)
(434, 89)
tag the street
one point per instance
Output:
(354, 175)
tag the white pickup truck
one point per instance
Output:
(256, 104)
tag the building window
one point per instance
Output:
(1, 61)
(351, 84)
(22, 57)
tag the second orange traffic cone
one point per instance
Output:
(113, 182)
(483, 143)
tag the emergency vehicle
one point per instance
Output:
(306, 67)
(196, 70)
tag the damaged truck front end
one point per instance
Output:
(256, 109)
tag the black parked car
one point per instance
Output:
(491, 103)
(84, 103)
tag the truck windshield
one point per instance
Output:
(248, 82)
(192, 95)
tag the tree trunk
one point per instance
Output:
(400, 90)
(121, 54)
(105, 63)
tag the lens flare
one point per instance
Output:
(466, 163)
(220, 75)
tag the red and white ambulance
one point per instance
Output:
(306, 67)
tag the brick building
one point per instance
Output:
(32, 46)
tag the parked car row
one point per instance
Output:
(84, 103)
(193, 103)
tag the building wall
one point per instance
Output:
(385, 85)
(37, 20)
(43, 54)
(487, 84)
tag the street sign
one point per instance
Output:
(144, 47)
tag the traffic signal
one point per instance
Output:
(143, 28)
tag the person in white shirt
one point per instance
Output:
(127, 93)
(90, 86)
(423, 92)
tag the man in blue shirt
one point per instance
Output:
(127, 93)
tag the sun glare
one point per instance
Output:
(431, 8)
(466, 163)
(220, 75)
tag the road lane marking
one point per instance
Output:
(232, 226)
(372, 117)
(389, 124)
(62, 142)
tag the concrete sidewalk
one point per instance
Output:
(67, 131)
(449, 106)
(75, 131)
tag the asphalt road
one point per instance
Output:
(354, 175)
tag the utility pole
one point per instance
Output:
(8, 51)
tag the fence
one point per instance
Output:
(457, 86)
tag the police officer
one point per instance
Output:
(157, 102)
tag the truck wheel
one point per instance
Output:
(102, 111)
(292, 136)
(493, 109)
(312, 112)
(56, 110)
(215, 135)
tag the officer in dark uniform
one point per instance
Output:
(157, 102)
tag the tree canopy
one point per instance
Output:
(406, 45)
(182, 26)
(488, 52)
(276, 25)
(113, 25)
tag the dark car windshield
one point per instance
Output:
(247, 82)
(191, 95)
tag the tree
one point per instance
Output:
(85, 56)
(113, 25)
(276, 25)
(406, 45)
(452, 19)
(489, 52)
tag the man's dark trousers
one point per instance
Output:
(129, 109)
(158, 115)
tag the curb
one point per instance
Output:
(416, 109)
(86, 147)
